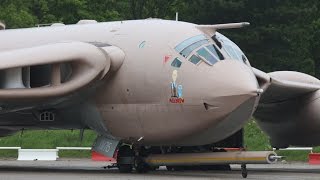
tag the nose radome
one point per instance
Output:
(232, 78)
(232, 84)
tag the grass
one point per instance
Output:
(255, 140)
(49, 139)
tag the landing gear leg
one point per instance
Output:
(125, 159)
(244, 171)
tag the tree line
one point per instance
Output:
(284, 34)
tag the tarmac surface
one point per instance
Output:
(83, 169)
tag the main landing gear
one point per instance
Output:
(129, 158)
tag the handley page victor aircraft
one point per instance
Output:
(158, 85)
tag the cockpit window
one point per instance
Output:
(206, 56)
(189, 42)
(231, 51)
(194, 59)
(215, 52)
(230, 47)
(186, 47)
(176, 63)
(187, 51)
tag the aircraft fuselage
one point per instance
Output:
(157, 96)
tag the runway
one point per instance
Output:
(87, 169)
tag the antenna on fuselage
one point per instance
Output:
(177, 16)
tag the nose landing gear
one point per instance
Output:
(129, 158)
(125, 159)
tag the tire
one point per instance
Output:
(125, 168)
(141, 166)
(124, 151)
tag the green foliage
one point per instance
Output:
(256, 140)
(15, 17)
(49, 139)
(284, 35)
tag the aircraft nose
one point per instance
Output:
(235, 78)
(233, 83)
(229, 92)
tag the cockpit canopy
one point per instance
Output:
(199, 49)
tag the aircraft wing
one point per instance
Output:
(288, 110)
(52, 70)
(284, 85)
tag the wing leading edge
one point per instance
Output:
(284, 85)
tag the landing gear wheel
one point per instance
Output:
(125, 153)
(140, 165)
(244, 171)
(125, 168)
